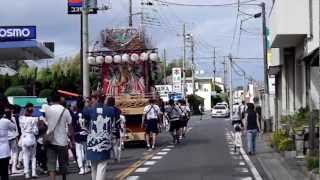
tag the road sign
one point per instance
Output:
(176, 75)
(176, 80)
(17, 33)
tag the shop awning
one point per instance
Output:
(274, 70)
(24, 50)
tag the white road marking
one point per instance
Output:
(142, 170)
(157, 157)
(243, 170)
(237, 157)
(132, 178)
(246, 178)
(170, 146)
(150, 163)
(253, 169)
(162, 153)
(166, 149)
(241, 163)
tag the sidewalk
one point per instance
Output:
(275, 165)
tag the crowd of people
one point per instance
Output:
(175, 115)
(90, 129)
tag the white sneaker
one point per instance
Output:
(87, 170)
(27, 176)
(82, 171)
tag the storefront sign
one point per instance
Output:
(164, 88)
(75, 6)
(17, 33)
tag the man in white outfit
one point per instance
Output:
(29, 131)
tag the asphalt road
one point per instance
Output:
(206, 154)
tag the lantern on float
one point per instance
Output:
(99, 59)
(125, 58)
(154, 57)
(108, 59)
(91, 60)
(144, 56)
(134, 57)
(117, 59)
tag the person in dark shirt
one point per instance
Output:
(252, 126)
(101, 120)
(80, 136)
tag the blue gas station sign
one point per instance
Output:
(17, 33)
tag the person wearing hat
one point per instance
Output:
(29, 130)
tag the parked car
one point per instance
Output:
(220, 111)
(223, 104)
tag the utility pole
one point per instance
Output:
(244, 85)
(184, 61)
(81, 54)
(165, 66)
(85, 50)
(214, 69)
(265, 57)
(224, 74)
(230, 88)
(130, 13)
(193, 65)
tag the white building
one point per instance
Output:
(203, 88)
(294, 27)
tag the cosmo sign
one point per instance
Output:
(17, 33)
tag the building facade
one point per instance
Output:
(294, 64)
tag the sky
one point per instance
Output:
(210, 26)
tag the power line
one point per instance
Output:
(204, 5)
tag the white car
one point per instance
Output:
(223, 104)
(220, 111)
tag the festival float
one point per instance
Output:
(128, 65)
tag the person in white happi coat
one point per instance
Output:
(13, 143)
(28, 141)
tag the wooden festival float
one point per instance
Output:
(127, 63)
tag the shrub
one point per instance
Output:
(15, 91)
(277, 137)
(45, 93)
(286, 144)
(312, 162)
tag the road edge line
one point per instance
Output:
(252, 168)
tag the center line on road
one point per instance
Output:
(166, 149)
(132, 178)
(142, 170)
(157, 157)
(150, 163)
(162, 153)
